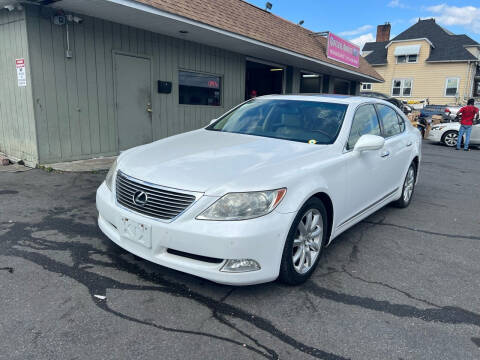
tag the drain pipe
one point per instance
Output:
(68, 52)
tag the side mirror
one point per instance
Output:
(369, 142)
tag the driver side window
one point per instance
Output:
(365, 121)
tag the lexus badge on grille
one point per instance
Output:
(140, 198)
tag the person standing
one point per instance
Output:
(468, 113)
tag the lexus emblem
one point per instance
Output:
(140, 198)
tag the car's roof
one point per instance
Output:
(331, 98)
(374, 93)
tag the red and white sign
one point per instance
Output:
(342, 50)
(21, 75)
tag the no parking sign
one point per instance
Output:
(21, 75)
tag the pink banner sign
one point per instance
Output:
(342, 50)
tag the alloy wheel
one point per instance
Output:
(451, 139)
(307, 243)
(409, 184)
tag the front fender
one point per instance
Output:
(330, 179)
(298, 195)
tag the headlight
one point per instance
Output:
(110, 174)
(243, 206)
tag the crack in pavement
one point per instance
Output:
(442, 314)
(410, 296)
(469, 237)
(445, 314)
(353, 257)
(18, 241)
(476, 341)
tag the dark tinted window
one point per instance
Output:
(390, 121)
(198, 89)
(365, 121)
(310, 83)
(304, 121)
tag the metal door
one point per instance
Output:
(133, 100)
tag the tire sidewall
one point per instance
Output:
(401, 202)
(288, 274)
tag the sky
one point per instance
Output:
(357, 20)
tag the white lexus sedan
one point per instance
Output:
(258, 193)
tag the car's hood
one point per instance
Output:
(216, 162)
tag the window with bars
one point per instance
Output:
(402, 87)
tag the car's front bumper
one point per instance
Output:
(435, 135)
(261, 239)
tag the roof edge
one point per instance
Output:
(452, 61)
(153, 10)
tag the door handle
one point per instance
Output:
(385, 154)
(409, 143)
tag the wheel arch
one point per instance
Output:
(327, 202)
(416, 161)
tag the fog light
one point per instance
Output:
(240, 265)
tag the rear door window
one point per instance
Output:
(390, 121)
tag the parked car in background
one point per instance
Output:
(259, 192)
(447, 134)
(398, 103)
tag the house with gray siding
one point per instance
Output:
(89, 78)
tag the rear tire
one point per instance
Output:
(304, 244)
(408, 188)
(450, 138)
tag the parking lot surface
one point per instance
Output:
(403, 284)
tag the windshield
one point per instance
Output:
(304, 121)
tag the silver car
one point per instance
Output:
(447, 134)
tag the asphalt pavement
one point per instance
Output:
(403, 284)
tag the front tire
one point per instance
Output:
(408, 188)
(450, 138)
(304, 243)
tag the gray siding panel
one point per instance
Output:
(75, 100)
(92, 93)
(17, 126)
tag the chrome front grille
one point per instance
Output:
(159, 203)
